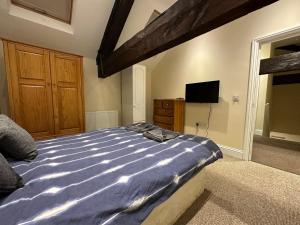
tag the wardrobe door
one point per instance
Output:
(66, 73)
(29, 82)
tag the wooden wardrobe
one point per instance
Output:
(45, 90)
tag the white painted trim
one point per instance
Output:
(285, 136)
(258, 132)
(254, 83)
(233, 152)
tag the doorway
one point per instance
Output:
(273, 116)
(276, 140)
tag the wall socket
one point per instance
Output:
(200, 125)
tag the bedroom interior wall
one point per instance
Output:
(139, 15)
(264, 89)
(222, 54)
(286, 108)
(101, 94)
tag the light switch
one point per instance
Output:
(236, 98)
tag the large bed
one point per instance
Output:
(109, 176)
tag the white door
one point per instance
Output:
(139, 93)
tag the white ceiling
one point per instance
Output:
(84, 36)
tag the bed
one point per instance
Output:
(108, 176)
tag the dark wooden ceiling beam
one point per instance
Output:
(115, 25)
(183, 21)
(292, 48)
(286, 79)
(282, 63)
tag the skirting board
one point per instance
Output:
(258, 132)
(285, 136)
(233, 152)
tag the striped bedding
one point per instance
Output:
(108, 176)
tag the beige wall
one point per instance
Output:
(262, 115)
(222, 54)
(100, 94)
(139, 15)
(286, 109)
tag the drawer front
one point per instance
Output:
(157, 104)
(168, 104)
(163, 112)
(164, 126)
(164, 119)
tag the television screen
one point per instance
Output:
(204, 92)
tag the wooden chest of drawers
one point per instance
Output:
(169, 114)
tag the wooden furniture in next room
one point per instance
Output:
(169, 114)
(45, 90)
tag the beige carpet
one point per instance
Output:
(240, 192)
(277, 157)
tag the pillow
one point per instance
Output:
(9, 179)
(15, 141)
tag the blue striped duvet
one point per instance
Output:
(110, 176)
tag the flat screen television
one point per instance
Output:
(204, 92)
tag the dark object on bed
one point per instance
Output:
(9, 179)
(141, 127)
(15, 141)
(160, 135)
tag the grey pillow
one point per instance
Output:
(9, 179)
(15, 141)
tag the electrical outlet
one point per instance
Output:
(201, 125)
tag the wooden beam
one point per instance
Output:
(183, 21)
(113, 29)
(292, 48)
(286, 79)
(282, 63)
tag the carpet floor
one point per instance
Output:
(278, 157)
(240, 193)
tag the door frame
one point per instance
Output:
(253, 86)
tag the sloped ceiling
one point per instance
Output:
(85, 33)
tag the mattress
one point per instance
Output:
(108, 176)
